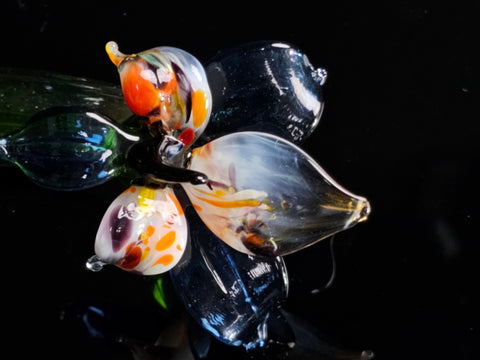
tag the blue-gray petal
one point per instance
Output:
(264, 86)
(228, 293)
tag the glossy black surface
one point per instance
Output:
(399, 126)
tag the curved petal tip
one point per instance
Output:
(114, 54)
(364, 211)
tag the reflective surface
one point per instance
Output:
(230, 294)
(399, 127)
(265, 86)
(68, 148)
(268, 197)
(143, 231)
(24, 92)
(168, 86)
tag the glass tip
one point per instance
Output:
(94, 263)
(321, 75)
(115, 55)
(364, 211)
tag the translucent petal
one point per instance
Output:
(167, 85)
(144, 231)
(228, 293)
(68, 148)
(264, 86)
(269, 197)
(25, 92)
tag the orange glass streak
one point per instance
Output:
(149, 230)
(171, 86)
(199, 108)
(131, 189)
(140, 94)
(176, 202)
(165, 260)
(254, 239)
(203, 151)
(217, 193)
(166, 241)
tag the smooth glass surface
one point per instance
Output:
(266, 196)
(228, 293)
(256, 191)
(68, 148)
(168, 86)
(265, 86)
(24, 92)
(399, 126)
(143, 231)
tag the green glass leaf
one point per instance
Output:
(24, 92)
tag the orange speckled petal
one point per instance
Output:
(144, 231)
(167, 85)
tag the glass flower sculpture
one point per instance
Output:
(221, 189)
(257, 192)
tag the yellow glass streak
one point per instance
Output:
(231, 204)
(145, 197)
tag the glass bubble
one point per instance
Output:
(265, 86)
(68, 148)
(266, 196)
(168, 86)
(228, 293)
(144, 231)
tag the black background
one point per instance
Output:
(399, 127)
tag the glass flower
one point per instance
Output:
(221, 191)
(257, 192)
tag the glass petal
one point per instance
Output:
(25, 92)
(144, 231)
(167, 85)
(228, 293)
(267, 196)
(68, 148)
(264, 86)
